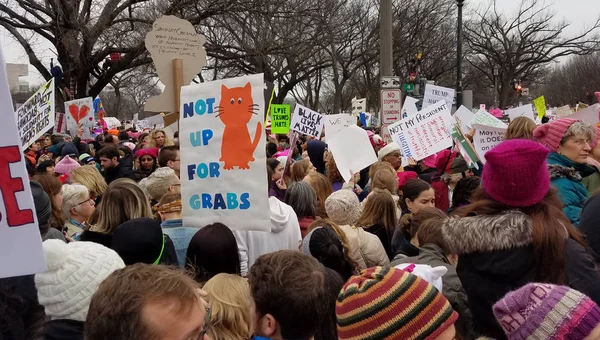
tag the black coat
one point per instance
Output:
(62, 330)
(21, 315)
(496, 256)
(589, 224)
(123, 170)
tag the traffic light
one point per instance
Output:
(519, 88)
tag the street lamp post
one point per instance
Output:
(496, 71)
(459, 89)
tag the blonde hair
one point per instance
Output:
(231, 303)
(385, 178)
(123, 201)
(73, 195)
(380, 208)
(89, 177)
(323, 188)
(379, 165)
(152, 143)
(158, 183)
(520, 128)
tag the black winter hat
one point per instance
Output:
(69, 149)
(43, 207)
(139, 241)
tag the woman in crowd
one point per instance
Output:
(316, 152)
(300, 169)
(277, 187)
(570, 143)
(384, 177)
(65, 166)
(333, 174)
(143, 141)
(514, 233)
(53, 187)
(147, 159)
(463, 191)
(46, 167)
(213, 250)
(78, 206)
(416, 195)
(141, 240)
(444, 187)
(91, 178)
(303, 199)
(520, 128)
(344, 209)
(379, 218)
(323, 189)
(158, 139)
(231, 307)
(124, 200)
(328, 329)
(169, 211)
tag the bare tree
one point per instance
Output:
(575, 81)
(521, 44)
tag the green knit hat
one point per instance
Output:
(389, 303)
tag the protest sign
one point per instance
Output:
(391, 105)
(358, 105)
(280, 118)
(365, 119)
(80, 114)
(540, 106)
(99, 109)
(589, 114)
(36, 116)
(307, 121)
(20, 242)
(425, 133)
(525, 110)
(464, 146)
(434, 93)
(385, 134)
(336, 123)
(112, 122)
(482, 106)
(351, 150)
(463, 116)
(581, 106)
(60, 123)
(486, 138)
(563, 111)
(223, 162)
(410, 107)
(173, 38)
(484, 118)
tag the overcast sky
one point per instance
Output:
(580, 13)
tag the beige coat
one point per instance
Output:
(365, 248)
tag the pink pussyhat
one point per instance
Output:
(597, 96)
(430, 161)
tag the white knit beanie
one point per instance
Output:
(388, 149)
(343, 207)
(75, 270)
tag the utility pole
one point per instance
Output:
(385, 37)
(459, 88)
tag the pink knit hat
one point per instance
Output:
(430, 161)
(66, 165)
(550, 134)
(516, 174)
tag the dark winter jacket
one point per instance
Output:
(142, 173)
(123, 170)
(402, 246)
(21, 315)
(62, 330)
(432, 255)
(589, 224)
(497, 256)
(566, 176)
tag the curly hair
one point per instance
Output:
(331, 170)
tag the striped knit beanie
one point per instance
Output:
(545, 311)
(550, 134)
(389, 303)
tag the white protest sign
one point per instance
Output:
(307, 121)
(563, 111)
(486, 138)
(391, 105)
(434, 93)
(426, 133)
(223, 163)
(351, 150)
(80, 113)
(60, 123)
(589, 114)
(464, 116)
(36, 116)
(482, 106)
(410, 107)
(359, 105)
(484, 118)
(525, 110)
(112, 122)
(20, 241)
(336, 123)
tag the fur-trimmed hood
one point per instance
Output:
(485, 233)
(558, 171)
(560, 166)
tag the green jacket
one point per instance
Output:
(592, 182)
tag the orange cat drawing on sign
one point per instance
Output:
(235, 111)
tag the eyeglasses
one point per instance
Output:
(91, 200)
(206, 323)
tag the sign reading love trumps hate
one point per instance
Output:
(36, 116)
(223, 163)
(280, 118)
(307, 121)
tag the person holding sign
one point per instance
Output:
(569, 142)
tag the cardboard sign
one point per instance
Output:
(589, 114)
(463, 117)
(337, 123)
(351, 150)
(540, 106)
(391, 105)
(434, 93)
(410, 107)
(425, 133)
(223, 162)
(563, 111)
(173, 38)
(486, 138)
(484, 118)
(280, 118)
(112, 123)
(36, 116)
(80, 114)
(20, 241)
(307, 121)
(525, 110)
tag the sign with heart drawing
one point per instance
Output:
(80, 114)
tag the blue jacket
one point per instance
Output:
(566, 177)
(181, 237)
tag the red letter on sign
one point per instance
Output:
(10, 185)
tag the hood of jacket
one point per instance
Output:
(315, 150)
(487, 233)
(280, 215)
(560, 166)
(63, 330)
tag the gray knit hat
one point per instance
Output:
(343, 207)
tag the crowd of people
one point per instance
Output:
(438, 248)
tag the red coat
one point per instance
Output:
(442, 201)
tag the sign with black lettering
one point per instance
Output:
(307, 121)
(36, 116)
